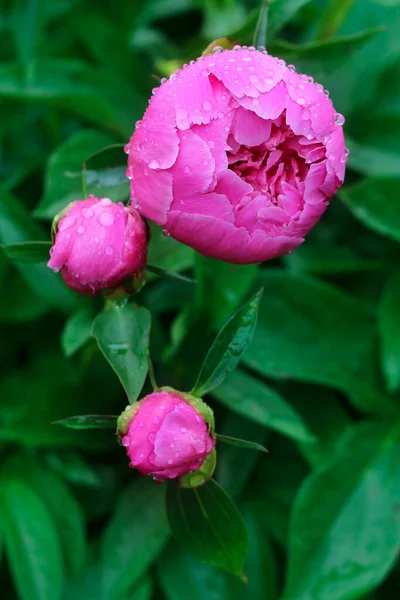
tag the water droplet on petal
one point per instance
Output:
(106, 219)
(66, 223)
(152, 438)
(339, 119)
(81, 229)
(154, 164)
(253, 78)
(109, 250)
(346, 152)
(181, 114)
(183, 430)
(211, 144)
(170, 461)
(127, 148)
(156, 420)
(166, 232)
(207, 106)
(300, 101)
(187, 169)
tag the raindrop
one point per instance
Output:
(170, 461)
(239, 69)
(172, 445)
(207, 106)
(87, 212)
(346, 152)
(319, 87)
(305, 113)
(326, 92)
(183, 430)
(255, 101)
(166, 232)
(154, 164)
(156, 420)
(187, 169)
(106, 219)
(129, 172)
(152, 438)
(145, 172)
(81, 229)
(291, 67)
(300, 101)
(339, 119)
(105, 202)
(127, 148)
(181, 114)
(205, 162)
(96, 239)
(253, 78)
(261, 48)
(211, 144)
(66, 222)
(246, 58)
(217, 49)
(109, 250)
(163, 79)
(237, 47)
(205, 73)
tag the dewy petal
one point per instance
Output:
(249, 129)
(194, 167)
(152, 191)
(155, 141)
(232, 187)
(268, 105)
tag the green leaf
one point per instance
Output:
(375, 202)
(61, 504)
(389, 329)
(312, 331)
(323, 55)
(260, 403)
(345, 531)
(63, 182)
(134, 536)
(208, 525)
(17, 225)
(122, 334)
(232, 479)
(227, 439)
(169, 274)
(32, 545)
(77, 331)
(167, 253)
(28, 252)
(228, 347)
(89, 422)
(372, 159)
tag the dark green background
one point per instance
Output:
(320, 383)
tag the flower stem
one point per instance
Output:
(151, 373)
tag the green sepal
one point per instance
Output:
(125, 418)
(202, 475)
(58, 218)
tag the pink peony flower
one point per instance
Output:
(166, 437)
(237, 156)
(98, 245)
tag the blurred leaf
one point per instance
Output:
(62, 506)
(324, 55)
(89, 422)
(373, 160)
(345, 530)
(122, 334)
(169, 274)
(28, 252)
(32, 544)
(221, 288)
(260, 32)
(16, 225)
(228, 347)
(333, 16)
(180, 572)
(374, 202)
(389, 328)
(106, 173)
(77, 331)
(134, 536)
(208, 525)
(72, 467)
(312, 331)
(63, 183)
(99, 96)
(257, 401)
(19, 303)
(232, 441)
(232, 479)
(167, 253)
(27, 17)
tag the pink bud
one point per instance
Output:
(98, 245)
(167, 437)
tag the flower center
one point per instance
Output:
(283, 157)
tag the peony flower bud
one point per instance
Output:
(98, 245)
(168, 434)
(237, 156)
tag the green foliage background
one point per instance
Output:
(320, 382)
